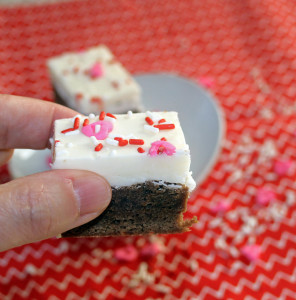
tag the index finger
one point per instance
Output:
(27, 122)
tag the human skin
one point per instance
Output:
(43, 205)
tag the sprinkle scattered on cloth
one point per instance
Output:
(242, 52)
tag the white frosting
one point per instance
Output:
(124, 166)
(116, 88)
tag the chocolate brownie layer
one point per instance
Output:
(151, 207)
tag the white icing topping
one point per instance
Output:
(111, 142)
(113, 153)
(130, 136)
(124, 165)
(190, 182)
(94, 140)
(113, 91)
(62, 153)
(112, 120)
(154, 116)
(113, 135)
(73, 132)
(151, 128)
(69, 145)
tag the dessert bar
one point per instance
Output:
(93, 80)
(145, 159)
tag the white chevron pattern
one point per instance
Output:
(247, 48)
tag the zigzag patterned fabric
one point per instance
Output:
(244, 246)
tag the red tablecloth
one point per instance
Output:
(247, 50)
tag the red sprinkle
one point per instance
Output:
(56, 141)
(98, 101)
(149, 121)
(110, 115)
(102, 115)
(78, 96)
(76, 123)
(85, 122)
(161, 121)
(75, 70)
(99, 147)
(122, 143)
(67, 130)
(141, 150)
(76, 126)
(136, 142)
(165, 126)
(115, 85)
(163, 139)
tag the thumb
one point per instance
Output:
(43, 205)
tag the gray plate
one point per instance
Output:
(26, 162)
(200, 117)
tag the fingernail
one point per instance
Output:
(93, 193)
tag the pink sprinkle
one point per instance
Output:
(251, 252)
(126, 254)
(206, 82)
(160, 147)
(281, 167)
(264, 196)
(150, 250)
(222, 206)
(96, 71)
(90, 130)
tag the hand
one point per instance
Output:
(42, 205)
